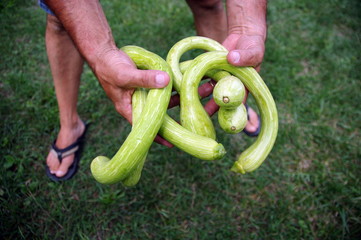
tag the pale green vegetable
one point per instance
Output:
(196, 145)
(205, 126)
(232, 120)
(252, 157)
(215, 74)
(192, 114)
(139, 140)
(184, 45)
(229, 92)
(197, 134)
(139, 98)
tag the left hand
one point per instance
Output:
(245, 50)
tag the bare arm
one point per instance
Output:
(85, 22)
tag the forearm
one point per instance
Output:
(247, 17)
(85, 22)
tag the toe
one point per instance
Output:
(253, 118)
(52, 162)
(250, 128)
(64, 166)
(253, 122)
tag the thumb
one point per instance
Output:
(248, 57)
(145, 78)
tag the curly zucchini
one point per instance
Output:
(252, 157)
(141, 136)
(196, 145)
(185, 45)
(196, 134)
(192, 114)
(139, 98)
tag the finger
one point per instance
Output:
(248, 58)
(258, 68)
(162, 141)
(125, 110)
(211, 107)
(204, 90)
(123, 103)
(133, 78)
(231, 41)
(174, 101)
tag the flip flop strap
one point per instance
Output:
(62, 153)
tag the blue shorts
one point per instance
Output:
(45, 7)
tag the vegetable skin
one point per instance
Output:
(139, 98)
(140, 138)
(229, 92)
(232, 120)
(185, 45)
(253, 156)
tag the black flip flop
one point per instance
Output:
(75, 148)
(255, 133)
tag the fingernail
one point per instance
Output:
(160, 80)
(235, 56)
(52, 172)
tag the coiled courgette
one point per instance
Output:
(253, 156)
(141, 136)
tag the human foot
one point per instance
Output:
(61, 157)
(253, 125)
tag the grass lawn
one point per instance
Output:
(308, 188)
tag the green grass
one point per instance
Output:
(308, 188)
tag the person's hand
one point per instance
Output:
(247, 30)
(245, 50)
(119, 77)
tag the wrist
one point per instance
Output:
(257, 31)
(247, 17)
(99, 53)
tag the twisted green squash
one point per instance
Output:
(139, 97)
(232, 120)
(197, 136)
(185, 45)
(138, 142)
(252, 157)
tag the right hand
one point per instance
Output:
(119, 77)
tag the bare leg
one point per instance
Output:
(211, 21)
(66, 67)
